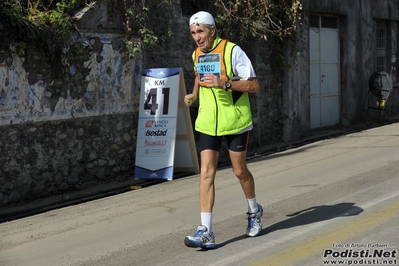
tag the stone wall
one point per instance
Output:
(67, 125)
(46, 158)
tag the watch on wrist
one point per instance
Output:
(227, 85)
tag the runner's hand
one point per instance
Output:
(213, 81)
(189, 99)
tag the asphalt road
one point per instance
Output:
(335, 199)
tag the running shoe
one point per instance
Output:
(202, 238)
(254, 223)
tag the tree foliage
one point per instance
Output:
(50, 22)
(140, 31)
(46, 24)
(248, 19)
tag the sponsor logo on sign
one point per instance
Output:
(149, 123)
(155, 142)
(155, 133)
(156, 123)
(161, 73)
(161, 123)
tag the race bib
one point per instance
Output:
(208, 64)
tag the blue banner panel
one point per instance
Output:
(165, 173)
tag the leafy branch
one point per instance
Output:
(50, 22)
(46, 24)
(137, 22)
(246, 19)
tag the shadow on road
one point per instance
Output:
(314, 215)
(307, 216)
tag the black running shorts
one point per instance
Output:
(238, 142)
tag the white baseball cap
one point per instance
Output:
(202, 17)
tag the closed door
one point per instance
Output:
(324, 71)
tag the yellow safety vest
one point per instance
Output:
(220, 112)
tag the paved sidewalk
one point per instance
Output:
(18, 211)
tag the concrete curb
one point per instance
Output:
(14, 212)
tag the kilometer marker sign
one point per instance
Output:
(161, 144)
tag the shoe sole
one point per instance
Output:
(193, 244)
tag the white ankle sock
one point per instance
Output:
(206, 220)
(252, 205)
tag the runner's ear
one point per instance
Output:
(213, 31)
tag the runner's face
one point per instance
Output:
(203, 36)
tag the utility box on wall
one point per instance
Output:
(380, 86)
